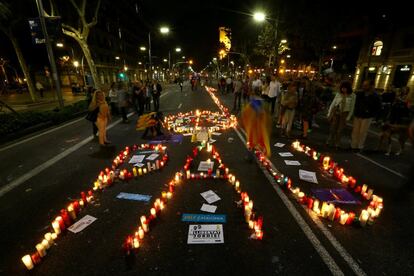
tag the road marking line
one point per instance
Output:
(382, 166)
(179, 106)
(20, 180)
(323, 253)
(39, 135)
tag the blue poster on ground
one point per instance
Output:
(335, 195)
(203, 218)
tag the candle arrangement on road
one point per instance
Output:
(254, 221)
(70, 214)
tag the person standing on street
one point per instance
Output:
(257, 85)
(156, 93)
(147, 90)
(229, 85)
(274, 91)
(246, 90)
(40, 88)
(340, 111)
(114, 99)
(122, 101)
(289, 102)
(237, 88)
(367, 107)
(98, 101)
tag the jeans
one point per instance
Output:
(272, 101)
(156, 100)
(124, 114)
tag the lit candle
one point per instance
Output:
(364, 189)
(218, 172)
(369, 194)
(45, 244)
(36, 258)
(316, 206)
(140, 233)
(169, 195)
(363, 218)
(27, 260)
(54, 236)
(140, 171)
(41, 249)
(48, 237)
(143, 219)
(233, 179)
(188, 173)
(237, 186)
(251, 224)
(144, 170)
(134, 171)
(343, 218)
(153, 212)
(56, 227)
(164, 194)
(136, 243)
(71, 211)
(145, 226)
(177, 177)
(227, 170)
(325, 162)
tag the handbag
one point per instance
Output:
(92, 115)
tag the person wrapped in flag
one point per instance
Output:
(256, 122)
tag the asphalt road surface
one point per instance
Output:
(39, 176)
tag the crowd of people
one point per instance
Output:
(121, 97)
(297, 102)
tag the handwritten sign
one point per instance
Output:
(81, 224)
(205, 234)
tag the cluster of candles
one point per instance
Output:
(181, 122)
(224, 109)
(106, 178)
(328, 210)
(255, 222)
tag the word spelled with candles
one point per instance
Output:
(106, 178)
(328, 210)
(194, 121)
(255, 222)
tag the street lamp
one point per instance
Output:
(259, 16)
(59, 44)
(76, 63)
(334, 47)
(165, 60)
(283, 41)
(164, 30)
(178, 49)
(143, 48)
(117, 58)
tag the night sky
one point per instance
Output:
(194, 24)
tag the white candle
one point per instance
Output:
(364, 189)
(48, 237)
(188, 173)
(316, 206)
(54, 236)
(45, 244)
(237, 185)
(27, 260)
(169, 195)
(136, 243)
(141, 233)
(363, 218)
(218, 173)
(41, 249)
(149, 166)
(369, 194)
(145, 170)
(56, 227)
(139, 171)
(71, 211)
(343, 218)
(153, 212)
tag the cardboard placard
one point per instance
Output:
(205, 234)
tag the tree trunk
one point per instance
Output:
(87, 53)
(23, 66)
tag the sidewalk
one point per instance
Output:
(23, 102)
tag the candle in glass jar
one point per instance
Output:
(27, 260)
(141, 233)
(363, 218)
(48, 237)
(188, 174)
(46, 244)
(144, 170)
(71, 211)
(343, 218)
(54, 236)
(136, 243)
(316, 206)
(364, 189)
(56, 227)
(153, 212)
(134, 171)
(140, 171)
(237, 186)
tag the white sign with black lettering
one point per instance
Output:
(205, 234)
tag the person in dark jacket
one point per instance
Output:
(367, 107)
(156, 94)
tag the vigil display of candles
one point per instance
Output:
(254, 222)
(105, 179)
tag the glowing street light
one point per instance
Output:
(117, 58)
(183, 57)
(283, 41)
(288, 56)
(139, 63)
(59, 44)
(76, 63)
(125, 68)
(334, 47)
(259, 16)
(165, 60)
(190, 61)
(143, 48)
(164, 30)
(178, 49)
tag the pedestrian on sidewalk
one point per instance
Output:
(122, 101)
(229, 85)
(367, 107)
(147, 90)
(237, 88)
(246, 90)
(113, 96)
(156, 94)
(274, 91)
(40, 88)
(99, 102)
(289, 103)
(310, 105)
(257, 85)
(340, 112)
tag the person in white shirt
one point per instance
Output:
(257, 85)
(340, 111)
(274, 91)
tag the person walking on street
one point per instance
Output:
(122, 101)
(156, 93)
(237, 88)
(246, 90)
(274, 91)
(367, 107)
(147, 90)
(289, 102)
(309, 106)
(113, 99)
(257, 85)
(98, 101)
(40, 88)
(340, 111)
(229, 85)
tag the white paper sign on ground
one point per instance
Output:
(81, 224)
(216, 133)
(205, 165)
(292, 162)
(279, 145)
(208, 208)
(285, 154)
(153, 156)
(139, 165)
(202, 136)
(308, 176)
(137, 159)
(210, 196)
(205, 234)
